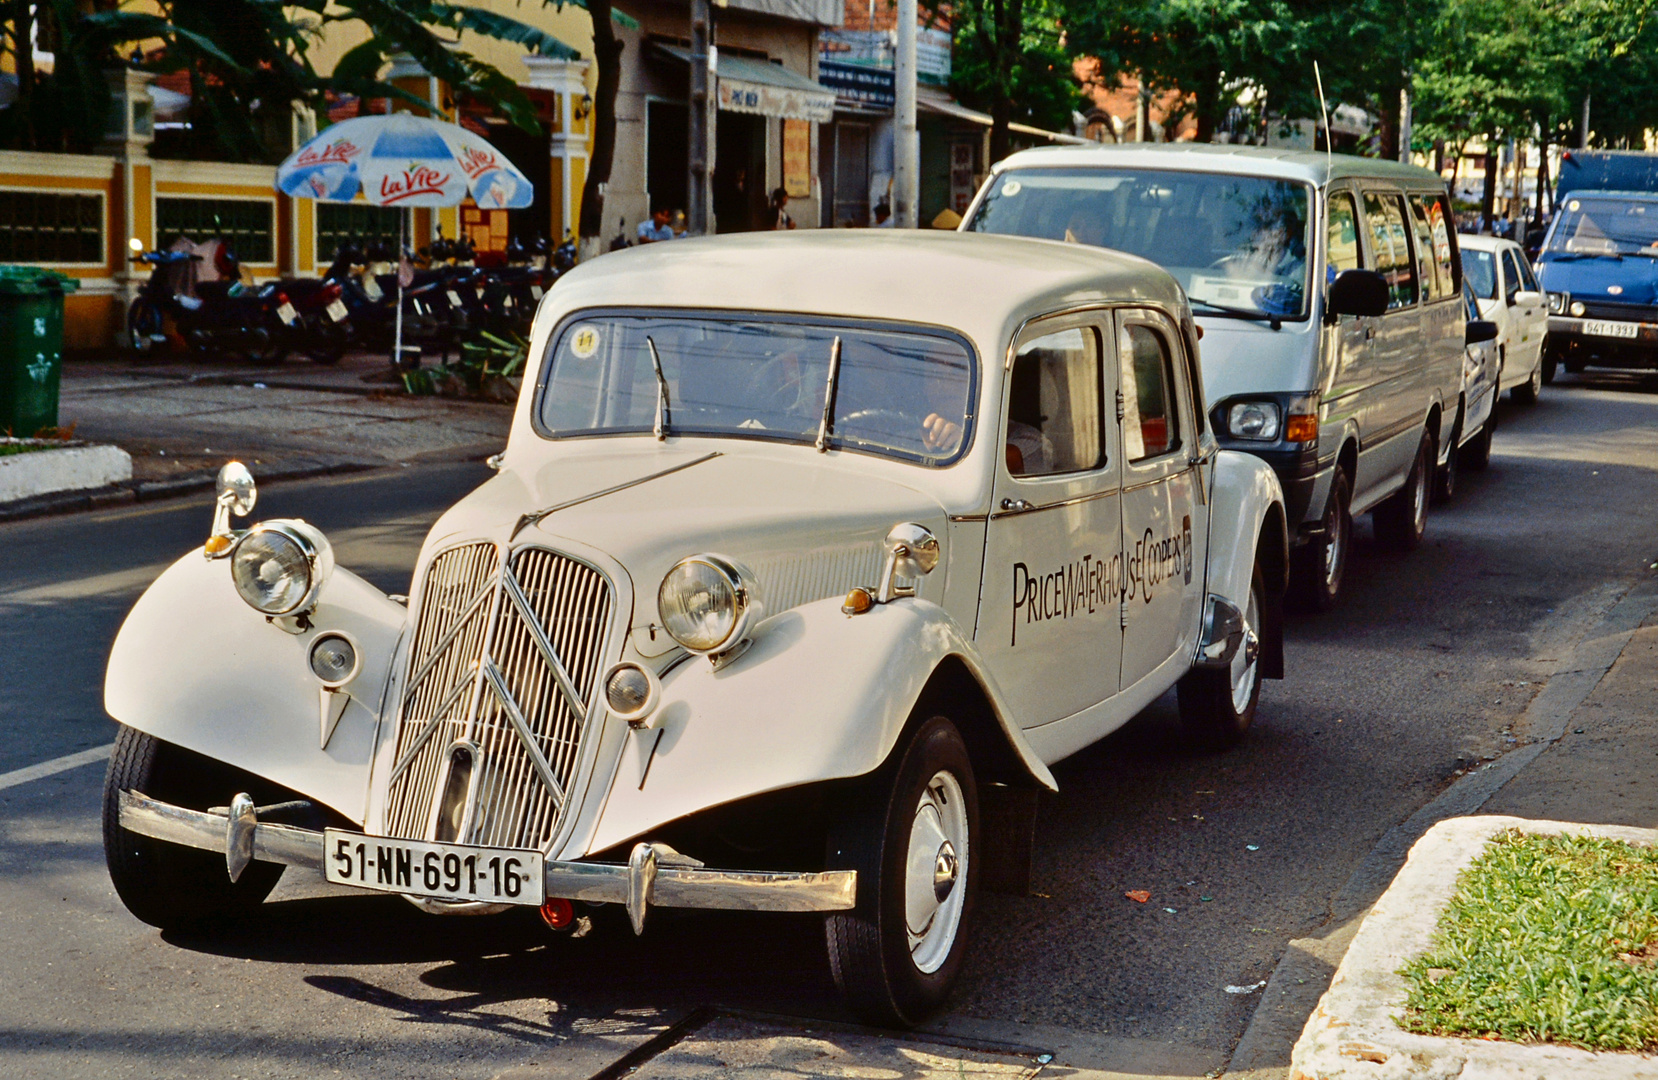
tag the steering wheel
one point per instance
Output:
(894, 419)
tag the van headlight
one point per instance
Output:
(280, 567)
(1258, 421)
(708, 603)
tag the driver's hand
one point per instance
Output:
(937, 433)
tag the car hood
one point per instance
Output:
(810, 526)
(1590, 278)
(1240, 357)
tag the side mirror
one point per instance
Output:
(1526, 296)
(1357, 292)
(1480, 330)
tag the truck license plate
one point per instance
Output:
(336, 310)
(287, 314)
(1613, 329)
(441, 871)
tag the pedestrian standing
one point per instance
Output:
(656, 227)
(780, 218)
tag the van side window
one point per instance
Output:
(1053, 405)
(1151, 424)
(1444, 237)
(1343, 244)
(1433, 249)
(1389, 239)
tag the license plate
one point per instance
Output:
(1613, 329)
(336, 310)
(287, 314)
(535, 291)
(440, 871)
(454, 297)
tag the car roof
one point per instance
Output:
(1481, 242)
(1305, 165)
(971, 282)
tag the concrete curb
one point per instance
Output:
(1305, 970)
(1352, 1033)
(65, 466)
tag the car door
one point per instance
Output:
(1164, 525)
(1529, 306)
(1397, 395)
(1049, 624)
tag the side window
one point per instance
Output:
(1343, 244)
(1426, 268)
(1151, 423)
(1385, 216)
(1433, 249)
(1511, 275)
(1444, 242)
(1053, 405)
(1528, 280)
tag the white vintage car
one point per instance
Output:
(807, 556)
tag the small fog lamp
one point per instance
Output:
(333, 660)
(1577, 309)
(631, 692)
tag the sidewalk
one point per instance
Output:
(181, 419)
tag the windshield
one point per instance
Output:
(1237, 242)
(902, 393)
(1479, 269)
(1608, 226)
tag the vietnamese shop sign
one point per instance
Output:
(739, 95)
(858, 86)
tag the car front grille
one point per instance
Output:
(1601, 309)
(506, 655)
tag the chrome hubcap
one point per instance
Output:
(1244, 668)
(1419, 498)
(936, 862)
(1334, 549)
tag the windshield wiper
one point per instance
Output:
(829, 395)
(660, 428)
(1277, 321)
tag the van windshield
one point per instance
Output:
(1605, 226)
(1236, 244)
(899, 393)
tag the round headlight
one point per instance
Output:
(631, 692)
(708, 602)
(333, 659)
(279, 567)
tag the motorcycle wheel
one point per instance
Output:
(144, 325)
(328, 346)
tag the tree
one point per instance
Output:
(607, 58)
(1010, 60)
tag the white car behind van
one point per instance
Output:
(1328, 291)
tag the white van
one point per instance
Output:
(1327, 290)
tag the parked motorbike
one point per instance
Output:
(315, 320)
(222, 314)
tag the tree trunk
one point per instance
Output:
(607, 56)
(1387, 127)
(1542, 174)
(23, 15)
(1488, 200)
(1009, 22)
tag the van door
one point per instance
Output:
(1049, 623)
(1349, 371)
(1396, 398)
(1164, 524)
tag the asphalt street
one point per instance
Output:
(1421, 674)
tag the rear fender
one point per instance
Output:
(194, 665)
(819, 696)
(1246, 525)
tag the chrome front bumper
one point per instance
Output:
(654, 873)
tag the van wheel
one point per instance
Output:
(911, 833)
(1548, 367)
(1445, 476)
(1321, 564)
(1217, 705)
(1403, 518)
(1527, 392)
(167, 885)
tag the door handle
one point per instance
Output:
(1016, 505)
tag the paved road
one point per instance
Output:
(1422, 673)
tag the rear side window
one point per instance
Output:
(1151, 426)
(1433, 245)
(1444, 239)
(1390, 240)
(1343, 243)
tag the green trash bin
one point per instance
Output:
(31, 347)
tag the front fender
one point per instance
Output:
(194, 665)
(1246, 523)
(819, 696)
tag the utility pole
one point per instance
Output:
(906, 142)
(699, 196)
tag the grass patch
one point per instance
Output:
(8, 449)
(1547, 939)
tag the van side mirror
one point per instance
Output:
(1357, 292)
(1480, 330)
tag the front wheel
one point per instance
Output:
(1476, 452)
(1321, 565)
(1527, 392)
(1403, 518)
(1445, 477)
(1217, 705)
(912, 835)
(164, 884)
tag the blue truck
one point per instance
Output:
(1599, 263)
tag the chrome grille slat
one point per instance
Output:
(545, 612)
